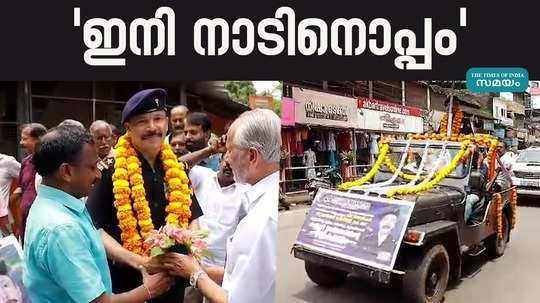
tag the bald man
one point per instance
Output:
(178, 114)
(101, 131)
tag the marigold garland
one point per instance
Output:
(439, 176)
(390, 164)
(130, 195)
(497, 199)
(513, 204)
(383, 150)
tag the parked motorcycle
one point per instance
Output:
(329, 178)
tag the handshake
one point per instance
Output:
(159, 272)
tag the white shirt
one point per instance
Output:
(221, 210)
(508, 159)
(250, 269)
(9, 169)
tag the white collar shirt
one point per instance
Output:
(250, 269)
(221, 208)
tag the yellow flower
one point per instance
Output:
(184, 177)
(134, 168)
(120, 174)
(120, 162)
(121, 152)
(136, 179)
(169, 163)
(138, 191)
(123, 207)
(172, 173)
(168, 154)
(133, 159)
(175, 184)
(121, 190)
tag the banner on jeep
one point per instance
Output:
(357, 228)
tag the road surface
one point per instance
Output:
(514, 278)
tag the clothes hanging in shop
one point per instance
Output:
(322, 146)
(345, 141)
(331, 141)
(310, 159)
(361, 141)
(333, 159)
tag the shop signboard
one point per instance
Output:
(287, 111)
(385, 116)
(319, 108)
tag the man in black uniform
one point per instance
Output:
(146, 122)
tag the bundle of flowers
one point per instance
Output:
(171, 238)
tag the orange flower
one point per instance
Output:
(167, 154)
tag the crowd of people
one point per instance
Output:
(83, 206)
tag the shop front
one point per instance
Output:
(378, 118)
(319, 138)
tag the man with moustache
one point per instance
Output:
(178, 115)
(178, 143)
(64, 254)
(253, 149)
(145, 120)
(102, 133)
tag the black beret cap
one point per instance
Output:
(145, 101)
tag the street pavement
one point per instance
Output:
(513, 278)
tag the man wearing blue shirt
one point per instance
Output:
(65, 257)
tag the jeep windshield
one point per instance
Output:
(435, 158)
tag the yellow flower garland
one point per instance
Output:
(439, 176)
(384, 148)
(390, 164)
(128, 182)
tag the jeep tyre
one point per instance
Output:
(496, 246)
(427, 283)
(325, 276)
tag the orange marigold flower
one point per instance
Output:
(174, 184)
(184, 177)
(136, 179)
(169, 163)
(121, 183)
(173, 173)
(145, 222)
(121, 190)
(167, 154)
(138, 191)
(121, 197)
(124, 207)
(133, 159)
(121, 152)
(120, 174)
(134, 168)
(120, 162)
(175, 195)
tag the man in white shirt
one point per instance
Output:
(220, 199)
(253, 148)
(9, 170)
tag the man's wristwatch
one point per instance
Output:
(195, 277)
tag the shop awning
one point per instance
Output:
(477, 112)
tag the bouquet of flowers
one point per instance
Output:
(171, 238)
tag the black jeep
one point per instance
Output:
(437, 237)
